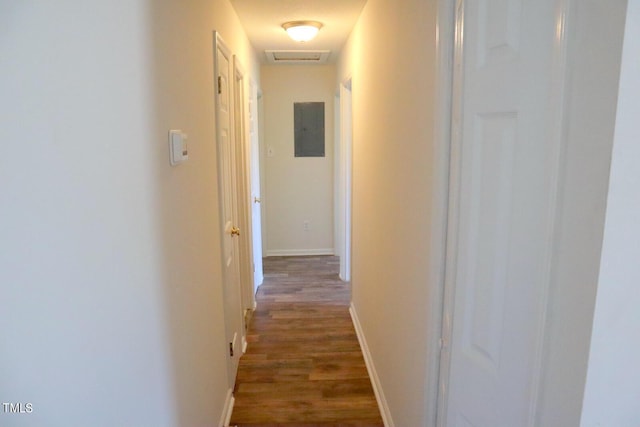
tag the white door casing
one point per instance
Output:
(344, 190)
(256, 214)
(503, 181)
(264, 200)
(243, 191)
(228, 215)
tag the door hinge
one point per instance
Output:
(443, 343)
(231, 349)
(219, 85)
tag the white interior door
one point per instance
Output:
(228, 203)
(256, 212)
(504, 164)
(243, 202)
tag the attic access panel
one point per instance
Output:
(297, 56)
(308, 120)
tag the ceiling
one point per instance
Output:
(263, 19)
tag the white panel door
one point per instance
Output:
(227, 187)
(243, 203)
(505, 160)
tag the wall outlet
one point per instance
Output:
(305, 225)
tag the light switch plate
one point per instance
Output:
(178, 152)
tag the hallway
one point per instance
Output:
(303, 364)
(113, 279)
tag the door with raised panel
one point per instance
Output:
(505, 163)
(228, 208)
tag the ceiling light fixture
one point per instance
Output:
(302, 31)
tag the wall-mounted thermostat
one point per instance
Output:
(178, 147)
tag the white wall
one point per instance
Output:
(613, 381)
(397, 194)
(110, 293)
(391, 58)
(591, 99)
(297, 189)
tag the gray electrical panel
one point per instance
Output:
(308, 122)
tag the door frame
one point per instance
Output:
(219, 45)
(255, 196)
(262, 157)
(243, 188)
(344, 175)
(448, 139)
(443, 133)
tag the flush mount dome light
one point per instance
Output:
(302, 31)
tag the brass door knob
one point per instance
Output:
(235, 231)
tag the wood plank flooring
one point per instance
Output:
(303, 365)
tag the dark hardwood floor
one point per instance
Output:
(303, 365)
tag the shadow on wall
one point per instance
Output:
(110, 274)
(187, 206)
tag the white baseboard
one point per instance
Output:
(373, 375)
(225, 419)
(299, 252)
